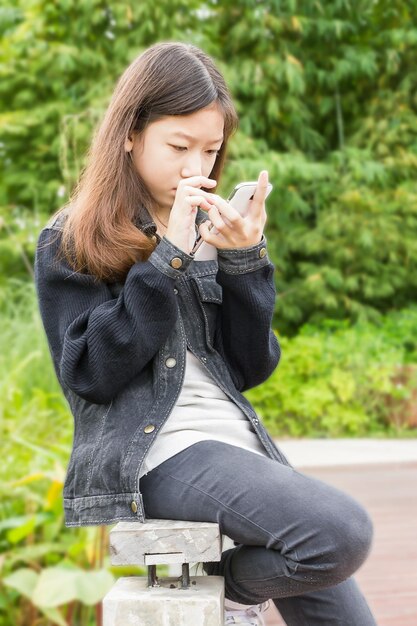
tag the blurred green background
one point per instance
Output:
(326, 92)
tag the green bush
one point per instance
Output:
(36, 435)
(344, 380)
(19, 230)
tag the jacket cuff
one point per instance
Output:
(243, 260)
(169, 259)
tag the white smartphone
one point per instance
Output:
(240, 198)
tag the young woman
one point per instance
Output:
(153, 349)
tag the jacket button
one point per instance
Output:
(149, 428)
(154, 238)
(175, 290)
(256, 421)
(204, 359)
(134, 506)
(176, 262)
(171, 362)
(262, 253)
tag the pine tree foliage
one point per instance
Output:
(57, 60)
(327, 99)
(328, 92)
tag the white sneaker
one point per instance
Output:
(243, 614)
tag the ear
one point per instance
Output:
(128, 144)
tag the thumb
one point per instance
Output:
(204, 227)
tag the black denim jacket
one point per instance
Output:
(119, 354)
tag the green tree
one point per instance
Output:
(58, 64)
(326, 97)
(326, 91)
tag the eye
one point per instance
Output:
(182, 148)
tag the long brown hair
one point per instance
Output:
(169, 78)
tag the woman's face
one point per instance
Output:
(177, 147)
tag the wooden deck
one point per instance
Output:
(389, 576)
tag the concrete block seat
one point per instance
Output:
(149, 601)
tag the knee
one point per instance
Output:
(351, 539)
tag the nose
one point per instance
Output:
(192, 165)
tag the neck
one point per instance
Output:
(161, 219)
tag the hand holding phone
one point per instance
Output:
(239, 199)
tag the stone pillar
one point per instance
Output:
(174, 601)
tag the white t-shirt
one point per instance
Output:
(202, 412)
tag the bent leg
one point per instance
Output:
(297, 534)
(341, 605)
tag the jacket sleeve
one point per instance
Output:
(244, 336)
(98, 342)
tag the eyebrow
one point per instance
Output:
(185, 136)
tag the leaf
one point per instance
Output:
(292, 59)
(54, 494)
(26, 480)
(59, 585)
(13, 522)
(23, 580)
(55, 616)
(27, 554)
(296, 23)
(17, 534)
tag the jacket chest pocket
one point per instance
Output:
(210, 297)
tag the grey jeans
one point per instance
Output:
(298, 540)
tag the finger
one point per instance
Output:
(260, 193)
(196, 200)
(200, 201)
(209, 233)
(195, 181)
(217, 219)
(205, 228)
(190, 191)
(226, 210)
